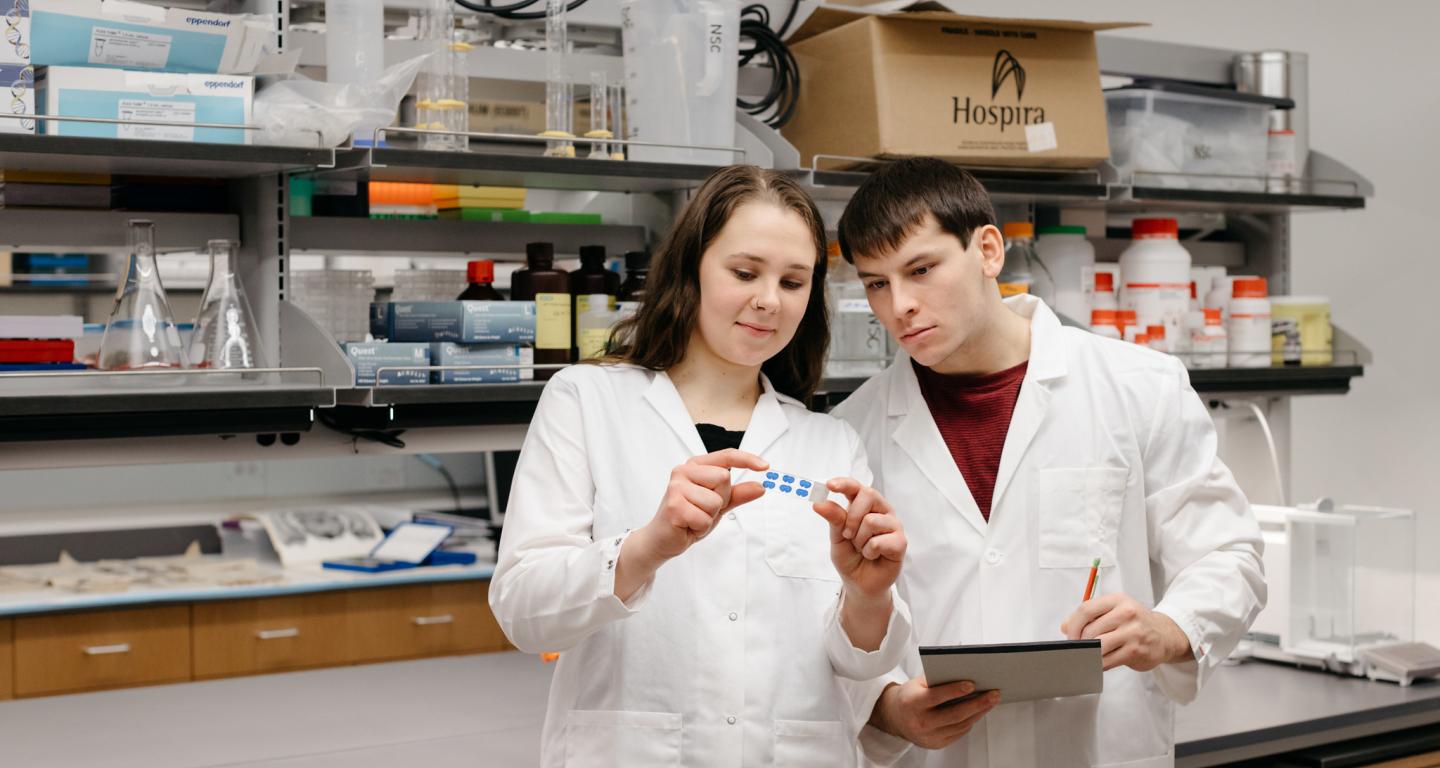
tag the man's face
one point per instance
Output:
(930, 293)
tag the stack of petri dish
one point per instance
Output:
(338, 299)
(428, 284)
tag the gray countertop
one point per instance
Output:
(1257, 708)
(487, 710)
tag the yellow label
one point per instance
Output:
(1013, 289)
(592, 342)
(582, 304)
(552, 321)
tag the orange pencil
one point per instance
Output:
(1090, 585)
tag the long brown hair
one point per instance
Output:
(656, 336)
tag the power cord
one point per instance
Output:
(434, 462)
(514, 11)
(784, 90)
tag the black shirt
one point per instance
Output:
(718, 438)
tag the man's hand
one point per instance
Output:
(1130, 634)
(867, 542)
(924, 717)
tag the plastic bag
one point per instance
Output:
(300, 112)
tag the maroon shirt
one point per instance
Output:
(973, 414)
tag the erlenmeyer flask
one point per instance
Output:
(225, 332)
(141, 333)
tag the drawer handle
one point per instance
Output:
(106, 650)
(425, 621)
(278, 634)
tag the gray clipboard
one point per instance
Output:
(1020, 671)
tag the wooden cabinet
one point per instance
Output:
(7, 659)
(243, 637)
(421, 620)
(62, 653)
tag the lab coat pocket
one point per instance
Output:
(603, 739)
(1079, 515)
(812, 744)
(797, 541)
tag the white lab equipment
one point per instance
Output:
(1070, 258)
(1342, 585)
(681, 69)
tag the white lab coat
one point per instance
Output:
(1110, 454)
(729, 657)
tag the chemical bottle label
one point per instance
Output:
(582, 304)
(552, 321)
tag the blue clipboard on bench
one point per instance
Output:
(1020, 671)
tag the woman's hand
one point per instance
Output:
(698, 495)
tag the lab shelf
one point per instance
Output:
(435, 405)
(53, 229)
(81, 154)
(357, 235)
(520, 169)
(94, 405)
(1055, 186)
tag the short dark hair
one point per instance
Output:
(657, 335)
(890, 204)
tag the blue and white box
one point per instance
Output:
(136, 36)
(444, 353)
(370, 356)
(466, 322)
(18, 84)
(153, 97)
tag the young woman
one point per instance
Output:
(702, 621)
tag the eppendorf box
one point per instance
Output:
(970, 89)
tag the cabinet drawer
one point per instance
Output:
(101, 649)
(7, 659)
(421, 620)
(243, 637)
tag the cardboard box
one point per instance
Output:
(466, 322)
(450, 353)
(970, 89)
(137, 36)
(369, 357)
(148, 96)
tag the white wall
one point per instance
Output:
(1374, 106)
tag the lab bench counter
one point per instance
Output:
(487, 710)
(1257, 709)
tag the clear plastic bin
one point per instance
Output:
(1187, 141)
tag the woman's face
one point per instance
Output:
(755, 282)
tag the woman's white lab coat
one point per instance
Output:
(729, 656)
(1110, 454)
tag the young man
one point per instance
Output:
(1019, 451)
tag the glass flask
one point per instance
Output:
(141, 333)
(226, 336)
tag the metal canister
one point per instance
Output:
(1283, 74)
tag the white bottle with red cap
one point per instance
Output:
(1249, 323)
(1209, 347)
(1155, 275)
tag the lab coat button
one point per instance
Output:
(734, 616)
(992, 556)
(730, 720)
